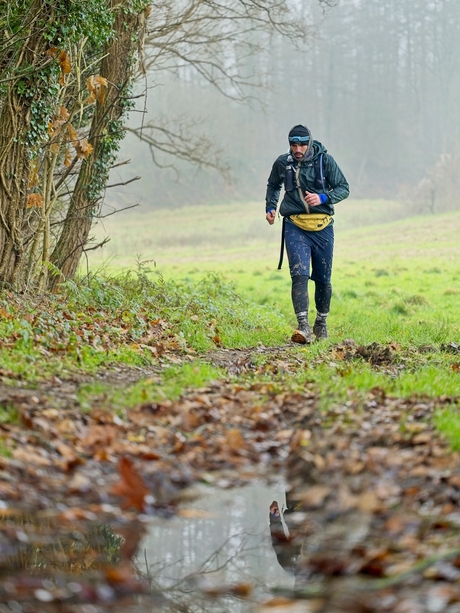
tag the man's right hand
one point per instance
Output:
(270, 217)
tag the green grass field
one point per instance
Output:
(397, 278)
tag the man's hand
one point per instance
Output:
(312, 199)
(270, 217)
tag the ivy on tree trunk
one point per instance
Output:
(105, 136)
(16, 128)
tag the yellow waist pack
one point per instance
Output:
(312, 222)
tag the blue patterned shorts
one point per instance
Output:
(307, 250)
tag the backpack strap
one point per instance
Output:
(320, 180)
(280, 263)
(321, 171)
(299, 189)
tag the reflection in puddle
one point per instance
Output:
(224, 541)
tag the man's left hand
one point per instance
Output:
(312, 199)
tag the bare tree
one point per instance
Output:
(220, 42)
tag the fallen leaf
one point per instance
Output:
(235, 440)
(79, 483)
(101, 435)
(368, 502)
(131, 486)
(194, 514)
(241, 589)
(190, 420)
(315, 496)
(29, 454)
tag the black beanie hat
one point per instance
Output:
(299, 130)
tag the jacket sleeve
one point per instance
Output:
(338, 185)
(275, 181)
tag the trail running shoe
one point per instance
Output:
(320, 330)
(302, 336)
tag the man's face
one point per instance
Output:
(298, 150)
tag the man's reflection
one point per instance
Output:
(286, 546)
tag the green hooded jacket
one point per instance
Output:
(337, 188)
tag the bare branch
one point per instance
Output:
(115, 211)
(123, 163)
(214, 37)
(197, 149)
(98, 246)
(123, 182)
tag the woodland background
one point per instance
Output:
(376, 81)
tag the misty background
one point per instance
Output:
(377, 83)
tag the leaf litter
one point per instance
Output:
(374, 488)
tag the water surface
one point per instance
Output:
(225, 540)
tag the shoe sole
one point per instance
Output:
(300, 338)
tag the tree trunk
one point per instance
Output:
(15, 152)
(14, 176)
(105, 133)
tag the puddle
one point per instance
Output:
(216, 555)
(223, 542)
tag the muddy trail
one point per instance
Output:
(371, 520)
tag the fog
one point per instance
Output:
(377, 83)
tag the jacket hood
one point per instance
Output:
(317, 149)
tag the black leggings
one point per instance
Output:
(299, 294)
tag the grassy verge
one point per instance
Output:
(127, 319)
